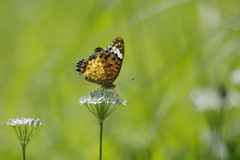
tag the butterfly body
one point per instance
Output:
(104, 65)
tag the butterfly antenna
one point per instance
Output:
(125, 81)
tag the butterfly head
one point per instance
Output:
(108, 86)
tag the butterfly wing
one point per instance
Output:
(116, 54)
(104, 65)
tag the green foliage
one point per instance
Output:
(171, 48)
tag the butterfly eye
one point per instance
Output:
(98, 49)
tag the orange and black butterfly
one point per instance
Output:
(104, 65)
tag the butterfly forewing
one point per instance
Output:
(116, 52)
(104, 65)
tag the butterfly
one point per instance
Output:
(104, 65)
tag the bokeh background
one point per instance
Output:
(172, 47)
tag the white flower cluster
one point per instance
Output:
(24, 121)
(209, 99)
(24, 129)
(236, 76)
(102, 96)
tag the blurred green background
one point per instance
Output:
(171, 48)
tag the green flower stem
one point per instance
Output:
(101, 131)
(23, 151)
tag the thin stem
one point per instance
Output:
(91, 110)
(101, 131)
(112, 110)
(23, 151)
